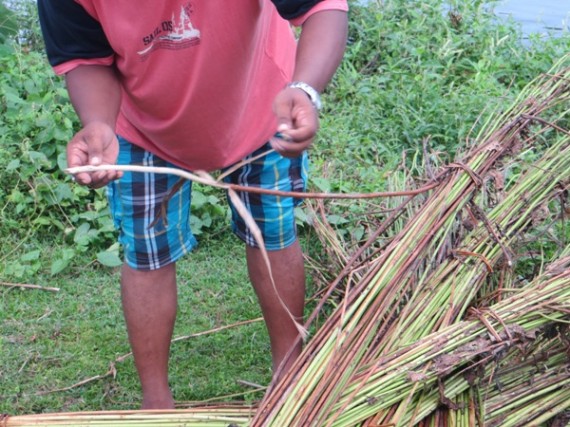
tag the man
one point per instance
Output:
(200, 85)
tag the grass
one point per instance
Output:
(54, 340)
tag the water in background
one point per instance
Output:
(546, 17)
(538, 16)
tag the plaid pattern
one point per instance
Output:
(274, 215)
(135, 200)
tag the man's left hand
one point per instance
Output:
(297, 122)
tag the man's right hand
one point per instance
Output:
(96, 144)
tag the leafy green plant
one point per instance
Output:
(19, 25)
(414, 73)
(38, 201)
(8, 23)
(36, 123)
(417, 73)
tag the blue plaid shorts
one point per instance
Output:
(149, 242)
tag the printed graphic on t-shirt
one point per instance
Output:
(176, 33)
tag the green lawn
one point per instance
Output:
(51, 341)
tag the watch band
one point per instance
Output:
(311, 92)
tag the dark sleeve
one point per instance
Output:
(70, 32)
(290, 9)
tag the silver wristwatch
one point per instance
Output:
(311, 92)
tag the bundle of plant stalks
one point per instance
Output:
(530, 386)
(515, 321)
(510, 388)
(456, 276)
(408, 306)
(479, 254)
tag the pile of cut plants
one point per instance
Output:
(461, 318)
(458, 316)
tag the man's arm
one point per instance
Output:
(319, 53)
(95, 93)
(321, 47)
(71, 35)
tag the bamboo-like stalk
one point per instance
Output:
(203, 178)
(197, 417)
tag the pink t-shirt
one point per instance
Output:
(199, 77)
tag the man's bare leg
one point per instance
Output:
(289, 275)
(149, 304)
